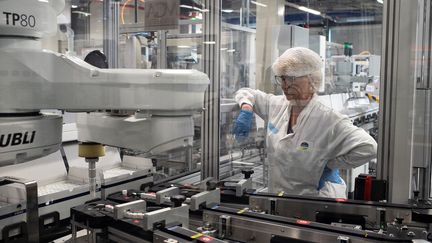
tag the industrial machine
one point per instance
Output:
(223, 213)
(145, 110)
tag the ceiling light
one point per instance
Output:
(227, 10)
(309, 10)
(209, 42)
(81, 12)
(190, 7)
(231, 50)
(74, 6)
(186, 6)
(380, 1)
(259, 4)
(184, 46)
(224, 49)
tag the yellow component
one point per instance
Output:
(364, 53)
(91, 150)
(280, 194)
(196, 236)
(375, 98)
(243, 210)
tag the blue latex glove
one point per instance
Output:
(331, 176)
(243, 125)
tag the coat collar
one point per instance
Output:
(304, 114)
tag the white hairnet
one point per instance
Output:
(297, 62)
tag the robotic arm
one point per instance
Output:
(158, 104)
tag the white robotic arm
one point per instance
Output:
(160, 103)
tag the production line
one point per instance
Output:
(133, 164)
(216, 214)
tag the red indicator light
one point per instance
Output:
(205, 238)
(341, 199)
(301, 221)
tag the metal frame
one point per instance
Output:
(210, 118)
(32, 206)
(111, 31)
(375, 214)
(162, 50)
(424, 34)
(255, 227)
(397, 84)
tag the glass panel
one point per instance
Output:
(347, 36)
(141, 47)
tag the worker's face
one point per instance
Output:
(297, 89)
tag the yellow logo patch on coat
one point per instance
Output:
(304, 146)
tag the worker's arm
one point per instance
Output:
(252, 99)
(350, 146)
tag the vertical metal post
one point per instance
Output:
(188, 157)
(423, 135)
(245, 13)
(32, 210)
(111, 31)
(32, 205)
(136, 12)
(162, 51)
(211, 60)
(397, 93)
(92, 176)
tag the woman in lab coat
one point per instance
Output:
(307, 142)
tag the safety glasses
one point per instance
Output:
(284, 79)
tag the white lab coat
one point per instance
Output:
(321, 137)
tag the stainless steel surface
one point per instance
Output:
(424, 35)
(168, 215)
(149, 219)
(207, 197)
(92, 176)
(240, 186)
(397, 98)
(162, 196)
(423, 136)
(32, 210)
(32, 206)
(245, 229)
(162, 50)
(307, 209)
(210, 118)
(121, 209)
(421, 129)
